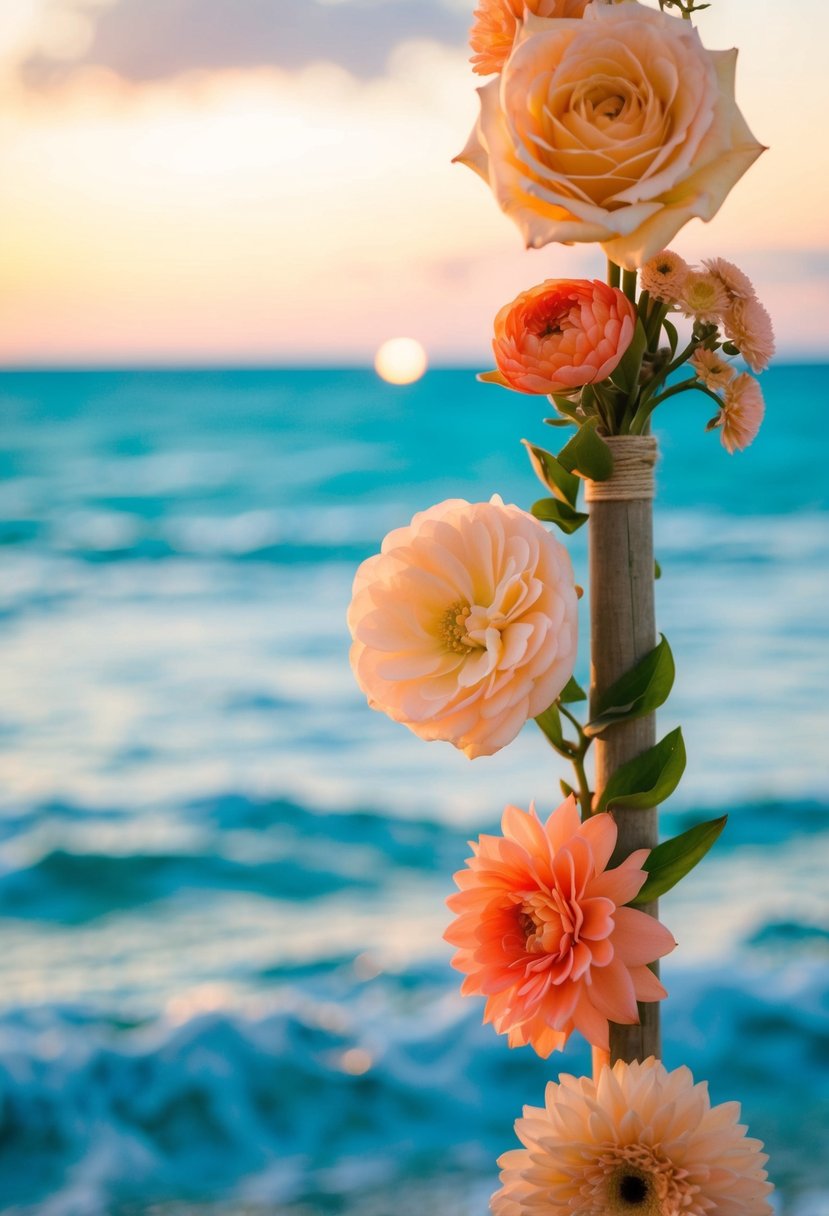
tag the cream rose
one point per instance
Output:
(618, 127)
(465, 624)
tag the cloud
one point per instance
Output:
(149, 40)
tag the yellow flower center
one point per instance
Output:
(452, 628)
(702, 295)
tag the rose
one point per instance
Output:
(561, 335)
(495, 24)
(465, 624)
(618, 128)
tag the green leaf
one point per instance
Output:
(565, 405)
(566, 789)
(657, 570)
(639, 691)
(673, 336)
(626, 375)
(571, 692)
(550, 724)
(560, 421)
(674, 858)
(552, 474)
(559, 513)
(587, 454)
(493, 377)
(648, 779)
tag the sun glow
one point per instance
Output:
(400, 361)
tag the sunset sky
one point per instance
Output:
(270, 181)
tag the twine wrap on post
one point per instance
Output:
(634, 457)
(623, 631)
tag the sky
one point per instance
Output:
(269, 181)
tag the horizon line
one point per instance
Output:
(790, 359)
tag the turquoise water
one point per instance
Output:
(222, 877)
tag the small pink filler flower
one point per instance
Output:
(542, 932)
(637, 1141)
(741, 413)
(496, 22)
(465, 624)
(561, 335)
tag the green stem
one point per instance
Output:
(684, 386)
(657, 314)
(585, 793)
(614, 274)
(629, 284)
(644, 409)
(577, 759)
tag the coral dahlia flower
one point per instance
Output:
(465, 624)
(638, 1141)
(561, 335)
(542, 931)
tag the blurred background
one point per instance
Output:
(222, 981)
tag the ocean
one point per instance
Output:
(223, 985)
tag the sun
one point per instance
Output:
(400, 361)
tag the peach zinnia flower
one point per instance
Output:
(741, 413)
(638, 1141)
(748, 325)
(542, 932)
(561, 335)
(465, 623)
(495, 23)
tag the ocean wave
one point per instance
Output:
(66, 863)
(320, 1104)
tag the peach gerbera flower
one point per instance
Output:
(664, 275)
(748, 325)
(495, 23)
(741, 413)
(561, 335)
(542, 932)
(638, 1141)
(465, 623)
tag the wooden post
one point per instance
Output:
(622, 631)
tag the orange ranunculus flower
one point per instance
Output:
(495, 24)
(542, 931)
(618, 127)
(465, 624)
(561, 335)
